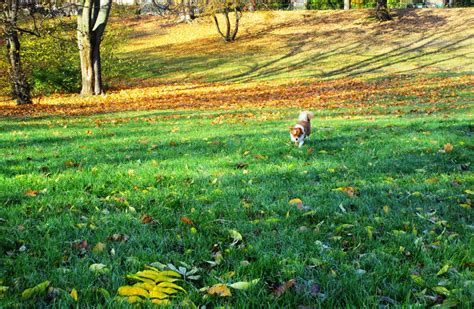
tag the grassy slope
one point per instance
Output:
(280, 46)
(388, 145)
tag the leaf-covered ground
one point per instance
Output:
(374, 210)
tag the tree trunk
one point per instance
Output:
(347, 4)
(19, 83)
(381, 11)
(236, 26)
(91, 20)
(227, 24)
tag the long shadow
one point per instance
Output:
(299, 48)
(116, 151)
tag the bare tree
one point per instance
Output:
(227, 8)
(92, 18)
(12, 15)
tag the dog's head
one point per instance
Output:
(296, 134)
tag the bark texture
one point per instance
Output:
(21, 90)
(347, 4)
(381, 11)
(91, 21)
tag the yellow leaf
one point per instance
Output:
(169, 291)
(148, 273)
(98, 248)
(132, 291)
(441, 290)
(465, 205)
(417, 279)
(31, 193)
(135, 277)
(236, 236)
(73, 294)
(38, 289)
(134, 299)
(386, 209)
(220, 290)
(161, 301)
(243, 285)
(3, 290)
(158, 293)
(170, 285)
(145, 286)
(170, 273)
(443, 270)
(296, 201)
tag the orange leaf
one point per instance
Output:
(220, 290)
(448, 147)
(31, 193)
(146, 219)
(279, 290)
(186, 220)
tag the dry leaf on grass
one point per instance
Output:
(219, 290)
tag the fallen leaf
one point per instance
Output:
(81, 244)
(99, 247)
(236, 236)
(31, 193)
(99, 268)
(132, 291)
(279, 290)
(441, 290)
(36, 290)
(186, 220)
(146, 219)
(296, 201)
(74, 294)
(118, 237)
(443, 270)
(448, 147)
(350, 191)
(243, 285)
(220, 290)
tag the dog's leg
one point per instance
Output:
(300, 144)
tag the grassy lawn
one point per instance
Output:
(386, 180)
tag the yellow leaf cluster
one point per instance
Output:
(153, 285)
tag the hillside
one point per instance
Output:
(306, 44)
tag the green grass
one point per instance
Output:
(213, 174)
(96, 176)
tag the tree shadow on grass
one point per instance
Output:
(304, 50)
(125, 147)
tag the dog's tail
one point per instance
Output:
(305, 116)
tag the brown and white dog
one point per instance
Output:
(302, 129)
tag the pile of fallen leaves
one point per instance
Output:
(368, 97)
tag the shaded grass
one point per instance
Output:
(169, 168)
